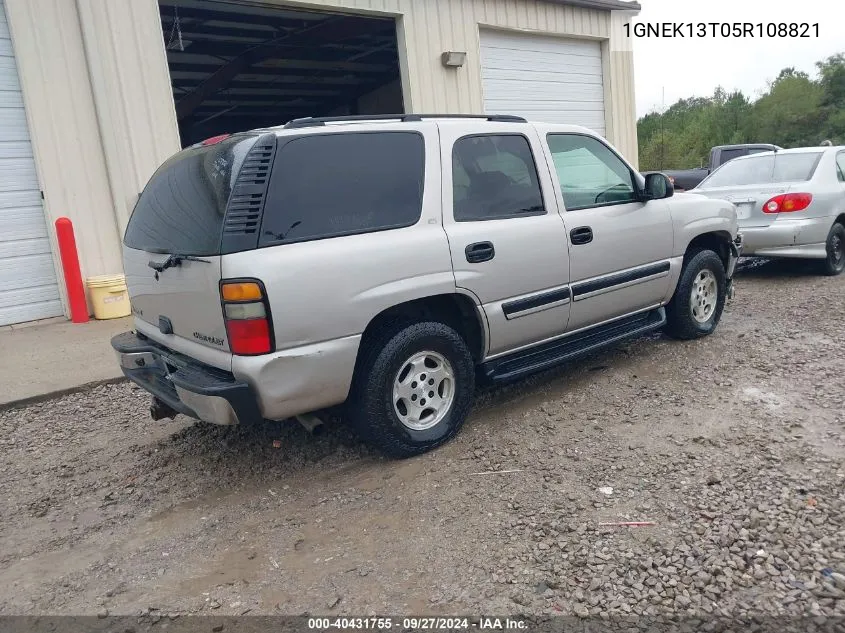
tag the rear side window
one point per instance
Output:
(840, 166)
(494, 177)
(729, 154)
(328, 185)
(182, 208)
(764, 170)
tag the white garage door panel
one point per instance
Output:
(16, 149)
(19, 200)
(29, 310)
(539, 76)
(21, 224)
(12, 300)
(13, 126)
(24, 247)
(504, 59)
(548, 91)
(39, 272)
(18, 174)
(542, 78)
(28, 286)
(8, 73)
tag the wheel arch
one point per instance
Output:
(716, 241)
(458, 310)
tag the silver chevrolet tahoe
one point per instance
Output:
(386, 264)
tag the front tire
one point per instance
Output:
(834, 264)
(699, 300)
(413, 388)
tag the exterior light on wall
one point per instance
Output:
(453, 59)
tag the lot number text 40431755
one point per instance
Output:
(762, 30)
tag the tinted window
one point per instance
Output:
(182, 207)
(590, 173)
(729, 154)
(763, 170)
(840, 166)
(494, 177)
(327, 185)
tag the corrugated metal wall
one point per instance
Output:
(96, 85)
(64, 129)
(128, 67)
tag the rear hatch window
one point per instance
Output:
(182, 208)
(764, 170)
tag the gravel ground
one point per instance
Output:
(732, 446)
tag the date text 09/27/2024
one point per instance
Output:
(762, 30)
(433, 624)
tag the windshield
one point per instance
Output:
(182, 208)
(764, 169)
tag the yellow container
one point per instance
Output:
(109, 296)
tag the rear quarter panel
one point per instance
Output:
(331, 288)
(324, 293)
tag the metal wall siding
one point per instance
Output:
(28, 286)
(124, 52)
(63, 126)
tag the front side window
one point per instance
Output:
(590, 174)
(494, 177)
(328, 185)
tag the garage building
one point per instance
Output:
(95, 94)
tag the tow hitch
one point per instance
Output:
(160, 410)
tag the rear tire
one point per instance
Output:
(413, 388)
(834, 264)
(699, 300)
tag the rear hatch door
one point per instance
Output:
(172, 249)
(749, 183)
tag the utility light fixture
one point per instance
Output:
(453, 59)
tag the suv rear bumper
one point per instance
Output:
(196, 390)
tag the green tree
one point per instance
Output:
(832, 81)
(796, 110)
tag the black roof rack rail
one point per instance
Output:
(319, 121)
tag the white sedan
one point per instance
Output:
(789, 203)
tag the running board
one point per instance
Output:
(550, 354)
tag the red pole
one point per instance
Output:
(73, 275)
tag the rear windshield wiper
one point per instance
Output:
(175, 260)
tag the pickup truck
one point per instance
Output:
(687, 179)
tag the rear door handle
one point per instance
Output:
(581, 235)
(480, 252)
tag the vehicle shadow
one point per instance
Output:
(764, 268)
(207, 455)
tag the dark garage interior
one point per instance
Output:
(236, 66)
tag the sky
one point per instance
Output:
(695, 67)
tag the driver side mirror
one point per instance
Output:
(658, 187)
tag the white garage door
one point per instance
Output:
(28, 287)
(543, 78)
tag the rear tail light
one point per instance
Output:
(247, 315)
(788, 202)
